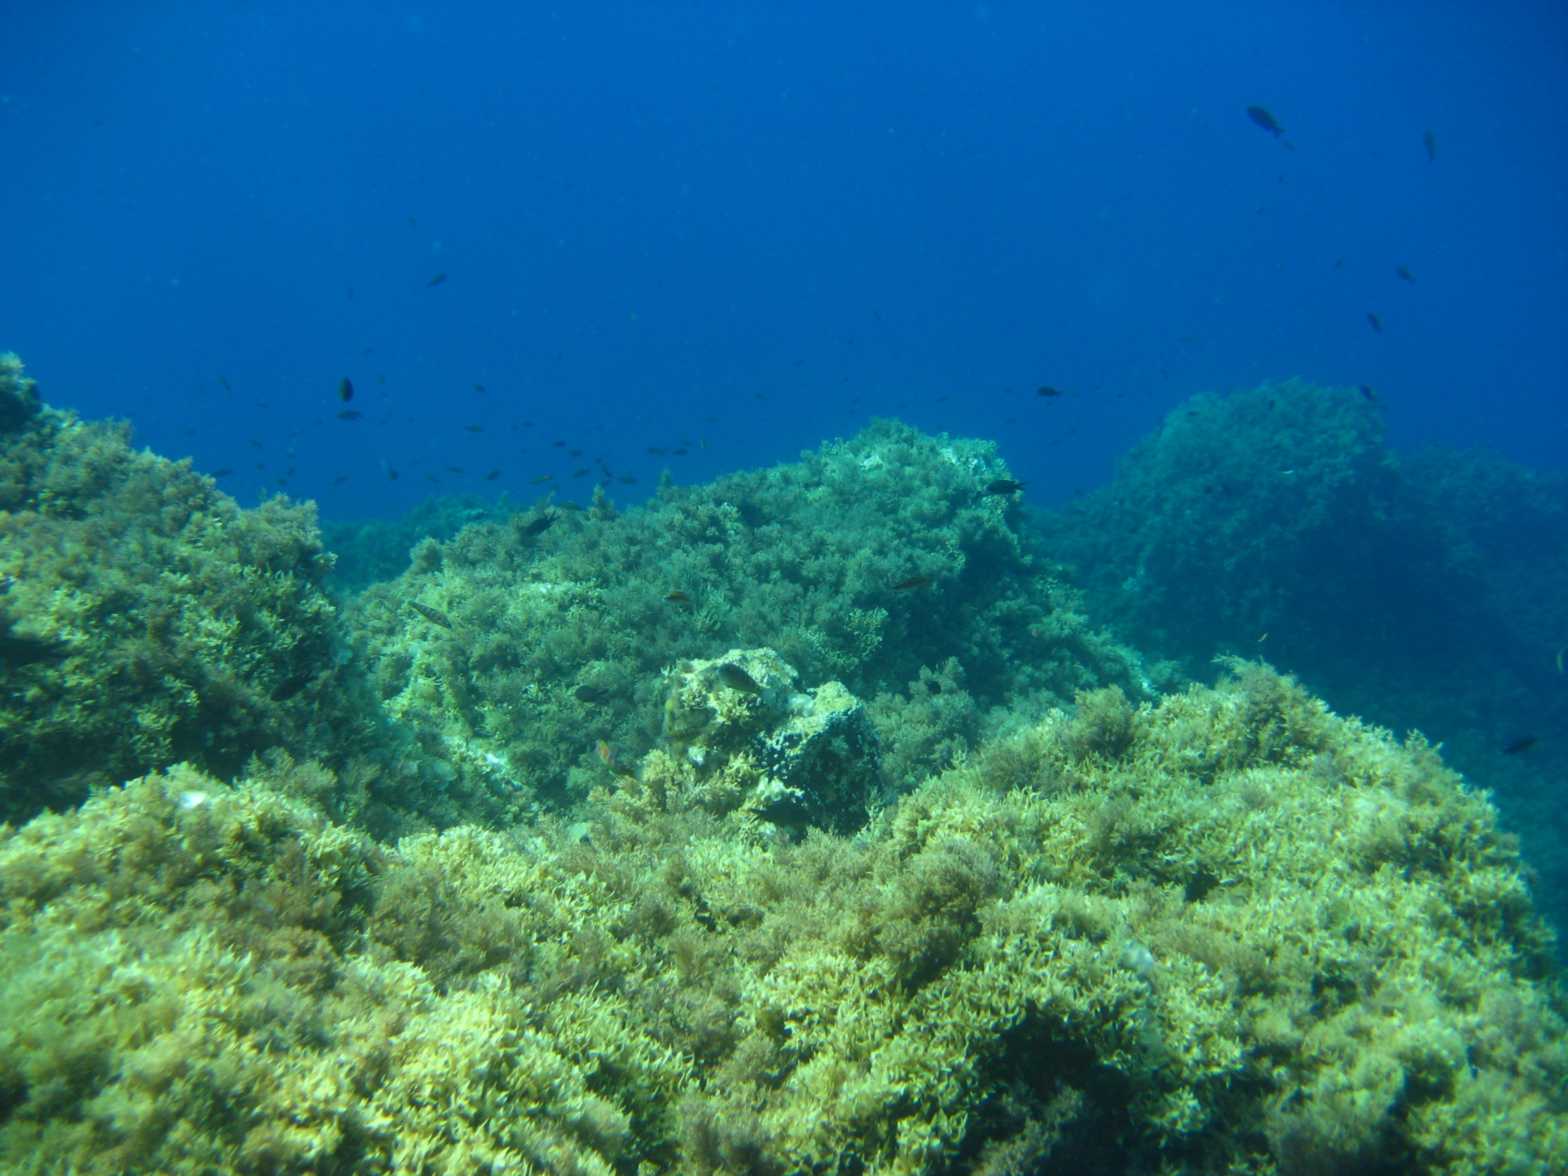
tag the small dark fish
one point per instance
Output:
(657, 450)
(1374, 322)
(479, 388)
(349, 414)
(574, 453)
(1367, 393)
(434, 615)
(340, 480)
(391, 474)
(581, 472)
(626, 479)
(590, 694)
(222, 471)
(473, 428)
(1261, 117)
(680, 451)
(678, 597)
(492, 475)
(289, 687)
(537, 526)
(1403, 271)
(1047, 391)
(345, 389)
(1429, 141)
(737, 679)
(437, 280)
(1523, 743)
(541, 479)
(909, 584)
(224, 384)
(1003, 486)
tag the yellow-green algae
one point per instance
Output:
(145, 618)
(880, 562)
(1227, 932)
(1416, 590)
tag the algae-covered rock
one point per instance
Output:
(1265, 511)
(720, 706)
(1229, 929)
(1222, 931)
(813, 753)
(875, 562)
(1416, 590)
(144, 617)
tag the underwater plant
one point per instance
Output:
(876, 562)
(145, 618)
(1227, 931)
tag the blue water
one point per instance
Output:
(741, 228)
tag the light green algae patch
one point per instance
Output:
(1227, 932)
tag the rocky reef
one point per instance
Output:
(797, 823)
(513, 649)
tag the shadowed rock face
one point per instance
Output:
(19, 401)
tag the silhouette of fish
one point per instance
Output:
(434, 615)
(1261, 117)
(737, 679)
(537, 525)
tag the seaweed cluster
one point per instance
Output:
(145, 618)
(1416, 590)
(550, 639)
(1229, 932)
